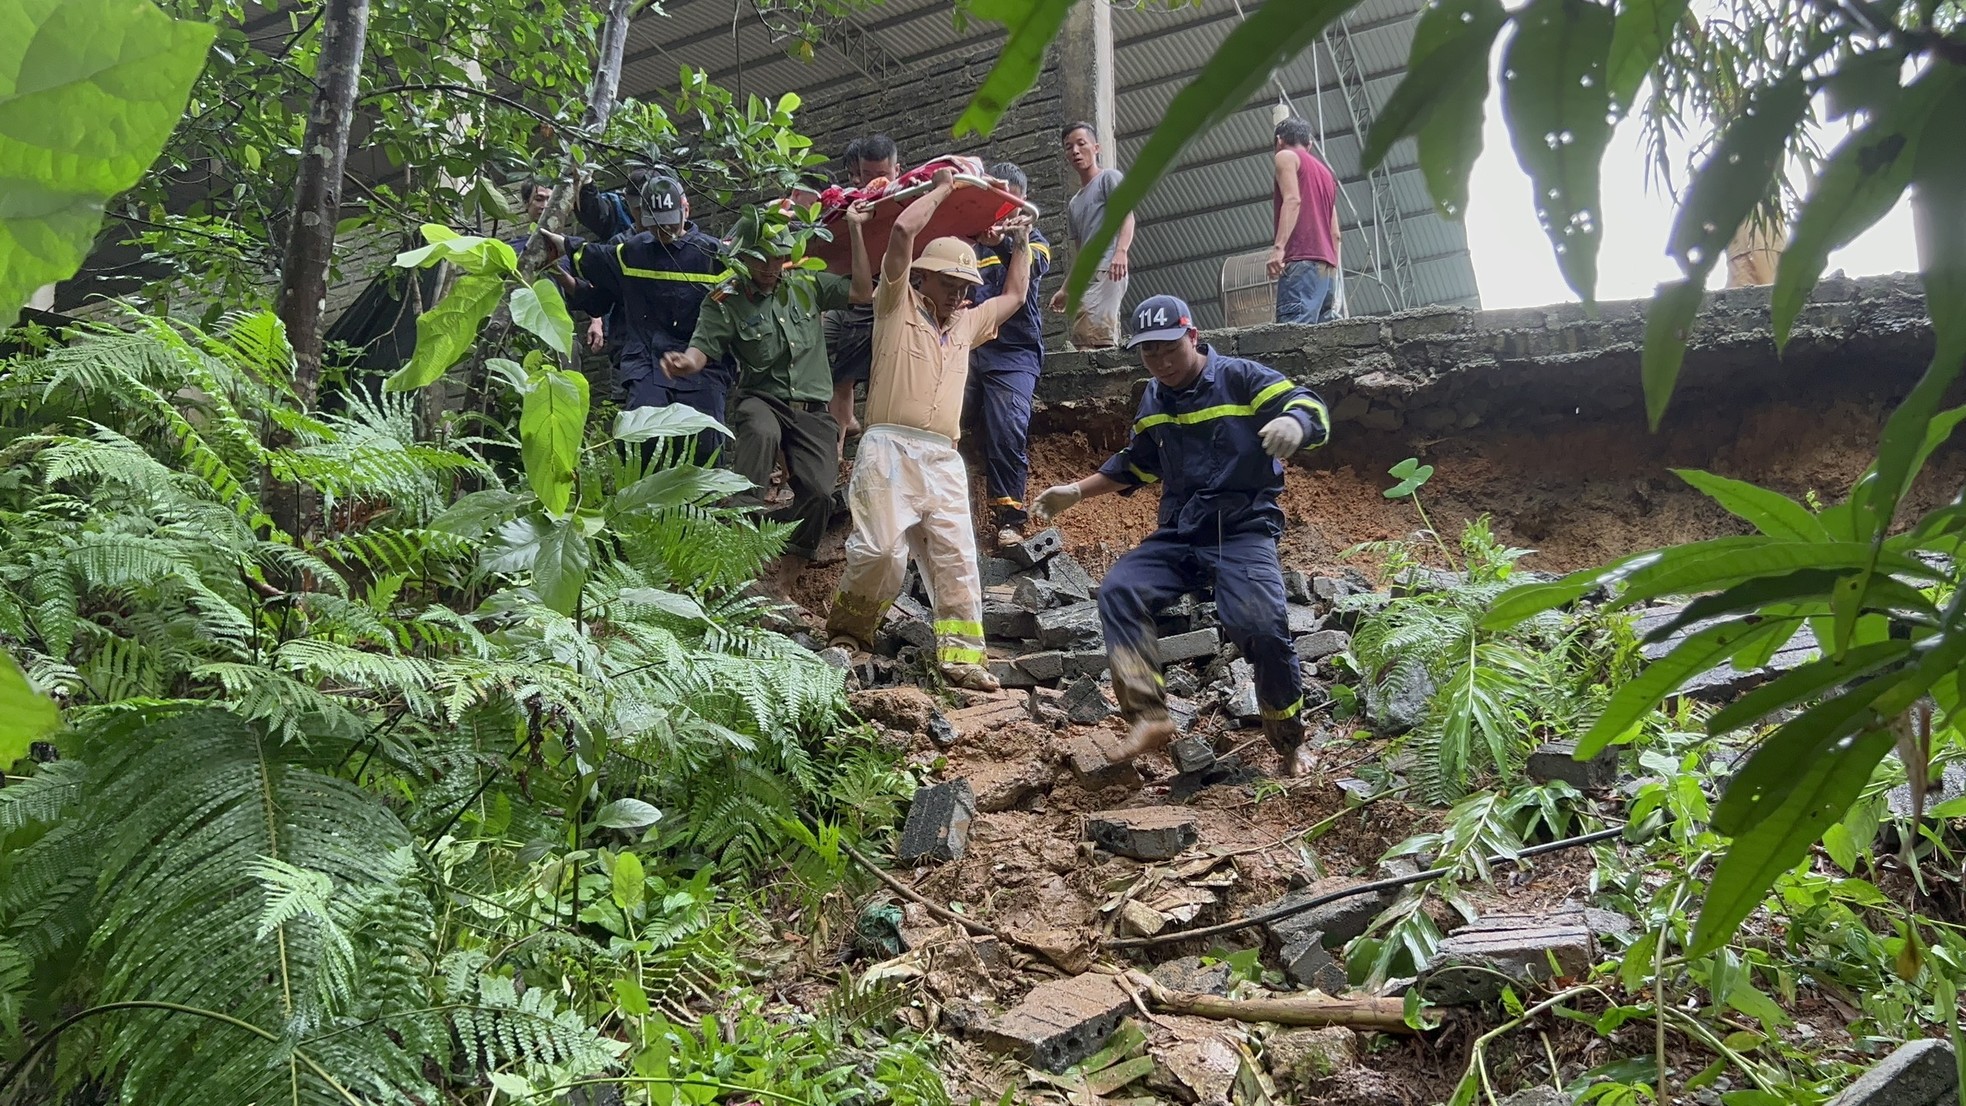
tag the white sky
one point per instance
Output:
(1515, 267)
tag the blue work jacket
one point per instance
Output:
(1019, 343)
(654, 289)
(1202, 443)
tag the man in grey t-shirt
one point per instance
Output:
(1097, 324)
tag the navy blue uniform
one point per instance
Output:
(655, 291)
(1219, 524)
(1002, 375)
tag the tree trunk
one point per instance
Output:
(317, 191)
(601, 94)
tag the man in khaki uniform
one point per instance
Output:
(910, 492)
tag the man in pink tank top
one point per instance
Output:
(1304, 256)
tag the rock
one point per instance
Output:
(898, 708)
(1072, 628)
(1917, 1073)
(1181, 682)
(1137, 919)
(1556, 760)
(1088, 662)
(1191, 975)
(1004, 620)
(1334, 923)
(1296, 586)
(1191, 754)
(988, 714)
(940, 732)
(1322, 644)
(1476, 961)
(1301, 620)
(1239, 699)
(1329, 588)
(1085, 704)
(1010, 674)
(1306, 963)
(1419, 580)
(905, 622)
(1042, 667)
(1298, 1058)
(1032, 551)
(938, 823)
(1951, 785)
(996, 570)
(837, 657)
(1059, 1023)
(1183, 713)
(1011, 787)
(1192, 645)
(1034, 594)
(1094, 761)
(1143, 833)
(1070, 579)
(1404, 705)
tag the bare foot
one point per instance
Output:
(1149, 735)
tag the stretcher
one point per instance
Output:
(977, 204)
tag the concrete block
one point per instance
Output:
(1073, 583)
(1193, 645)
(1181, 682)
(904, 623)
(1917, 1073)
(1329, 588)
(1032, 551)
(938, 823)
(1034, 594)
(1302, 620)
(1324, 643)
(1074, 627)
(1332, 924)
(1085, 704)
(1296, 586)
(1011, 674)
(1191, 975)
(1006, 622)
(1192, 754)
(1144, 833)
(1239, 697)
(1087, 662)
(1474, 962)
(1094, 761)
(1042, 667)
(1059, 1023)
(996, 570)
(1306, 963)
(1556, 760)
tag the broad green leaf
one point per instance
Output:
(1032, 25)
(1668, 327)
(1804, 683)
(478, 513)
(444, 333)
(1412, 477)
(1858, 184)
(676, 603)
(1699, 653)
(1640, 36)
(541, 310)
(1760, 594)
(471, 254)
(1441, 96)
(1555, 99)
(1273, 33)
(1769, 557)
(552, 419)
(26, 715)
(627, 814)
(674, 487)
(560, 569)
(629, 995)
(1824, 786)
(640, 424)
(89, 91)
(630, 882)
(1772, 513)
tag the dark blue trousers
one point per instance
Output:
(997, 404)
(1248, 581)
(707, 391)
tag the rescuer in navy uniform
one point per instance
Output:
(1003, 372)
(1213, 430)
(658, 277)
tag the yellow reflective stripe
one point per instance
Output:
(1221, 411)
(1319, 409)
(1040, 247)
(986, 262)
(1266, 395)
(956, 627)
(1006, 501)
(1142, 475)
(1287, 712)
(659, 274)
(954, 655)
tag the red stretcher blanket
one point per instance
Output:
(978, 203)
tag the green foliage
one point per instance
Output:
(89, 91)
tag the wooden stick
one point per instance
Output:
(1387, 1015)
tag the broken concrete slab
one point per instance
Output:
(1298, 1058)
(1322, 644)
(1012, 675)
(1044, 667)
(1329, 588)
(1306, 963)
(1190, 974)
(990, 714)
(1193, 753)
(1086, 662)
(1059, 1023)
(1144, 833)
(1181, 682)
(1070, 579)
(1476, 961)
(1301, 620)
(996, 570)
(1137, 919)
(1085, 704)
(1071, 628)
(938, 823)
(1557, 760)
(1034, 594)
(1004, 620)
(1334, 922)
(1192, 645)
(1239, 697)
(1094, 761)
(904, 623)
(1032, 551)
(1917, 1073)
(1296, 586)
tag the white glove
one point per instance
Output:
(1056, 501)
(1281, 436)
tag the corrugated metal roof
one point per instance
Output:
(1217, 200)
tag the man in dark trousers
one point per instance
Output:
(658, 279)
(1304, 255)
(850, 333)
(1004, 372)
(1213, 430)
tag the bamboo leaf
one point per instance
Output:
(1555, 99)
(1668, 327)
(1441, 97)
(1772, 513)
(1032, 25)
(1806, 682)
(1643, 28)
(445, 332)
(551, 422)
(1699, 653)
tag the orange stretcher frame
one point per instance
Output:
(976, 205)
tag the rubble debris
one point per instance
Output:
(996, 570)
(1296, 587)
(1192, 754)
(897, 708)
(1539, 1096)
(1476, 961)
(1192, 645)
(1297, 1058)
(1137, 919)
(1182, 712)
(938, 822)
(1557, 760)
(1086, 662)
(1322, 644)
(905, 622)
(1032, 551)
(1012, 675)
(1301, 620)
(1951, 785)
(1177, 617)
(1227, 771)
(1404, 702)
(1306, 963)
(1181, 682)
(1330, 589)
(1085, 704)
(1070, 579)
(1239, 698)
(1045, 667)
(836, 657)
(1190, 974)
(1721, 683)
(1200, 1069)
(1332, 924)
(1004, 620)
(1071, 628)
(1034, 594)
(1011, 787)
(940, 732)
(990, 714)
(1917, 1073)
(1144, 833)
(1060, 1023)
(1095, 762)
